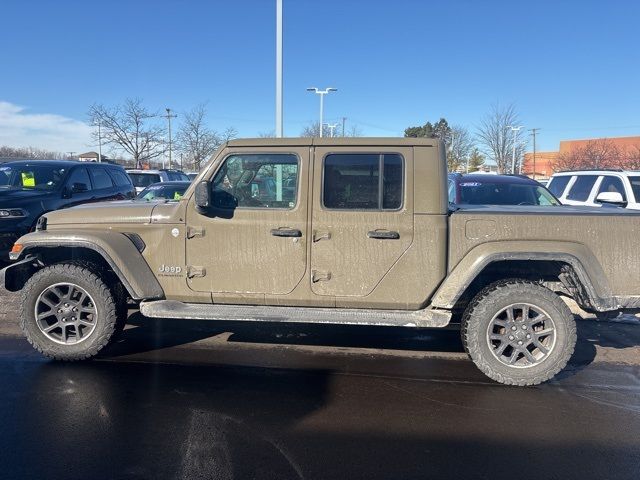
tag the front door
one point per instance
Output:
(253, 240)
(362, 220)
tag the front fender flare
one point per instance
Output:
(114, 247)
(579, 257)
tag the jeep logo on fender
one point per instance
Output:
(168, 270)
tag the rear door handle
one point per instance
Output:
(286, 232)
(383, 235)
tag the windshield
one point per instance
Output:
(31, 177)
(162, 192)
(481, 193)
(144, 179)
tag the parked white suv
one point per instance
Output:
(143, 178)
(597, 187)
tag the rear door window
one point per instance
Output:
(100, 178)
(581, 188)
(121, 178)
(558, 184)
(355, 181)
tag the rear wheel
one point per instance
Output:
(519, 332)
(68, 313)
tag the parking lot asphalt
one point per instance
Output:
(193, 399)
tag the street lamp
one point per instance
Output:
(322, 93)
(515, 131)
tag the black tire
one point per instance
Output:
(103, 300)
(483, 313)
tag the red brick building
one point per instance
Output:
(545, 162)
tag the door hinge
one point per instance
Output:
(193, 232)
(318, 276)
(193, 272)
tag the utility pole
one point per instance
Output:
(515, 131)
(344, 120)
(168, 116)
(71, 155)
(322, 93)
(99, 143)
(534, 131)
(279, 123)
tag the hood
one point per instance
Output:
(99, 213)
(11, 197)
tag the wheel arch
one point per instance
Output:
(110, 251)
(570, 268)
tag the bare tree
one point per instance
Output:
(497, 139)
(631, 159)
(194, 139)
(354, 131)
(30, 153)
(459, 148)
(313, 130)
(128, 128)
(601, 153)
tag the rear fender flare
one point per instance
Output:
(589, 271)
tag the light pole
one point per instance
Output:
(279, 128)
(332, 127)
(322, 93)
(515, 131)
(168, 116)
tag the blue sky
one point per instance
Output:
(571, 67)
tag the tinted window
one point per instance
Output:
(177, 177)
(581, 188)
(79, 176)
(257, 181)
(612, 184)
(355, 182)
(452, 191)
(144, 179)
(558, 184)
(100, 178)
(121, 178)
(162, 191)
(487, 193)
(31, 176)
(635, 186)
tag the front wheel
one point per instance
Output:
(68, 312)
(519, 332)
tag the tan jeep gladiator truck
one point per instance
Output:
(330, 230)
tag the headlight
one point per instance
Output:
(41, 224)
(13, 213)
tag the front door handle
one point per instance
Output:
(286, 232)
(383, 235)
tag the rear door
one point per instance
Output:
(362, 217)
(103, 186)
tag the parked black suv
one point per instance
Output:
(30, 188)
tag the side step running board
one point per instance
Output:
(345, 316)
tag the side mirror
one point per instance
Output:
(203, 196)
(614, 198)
